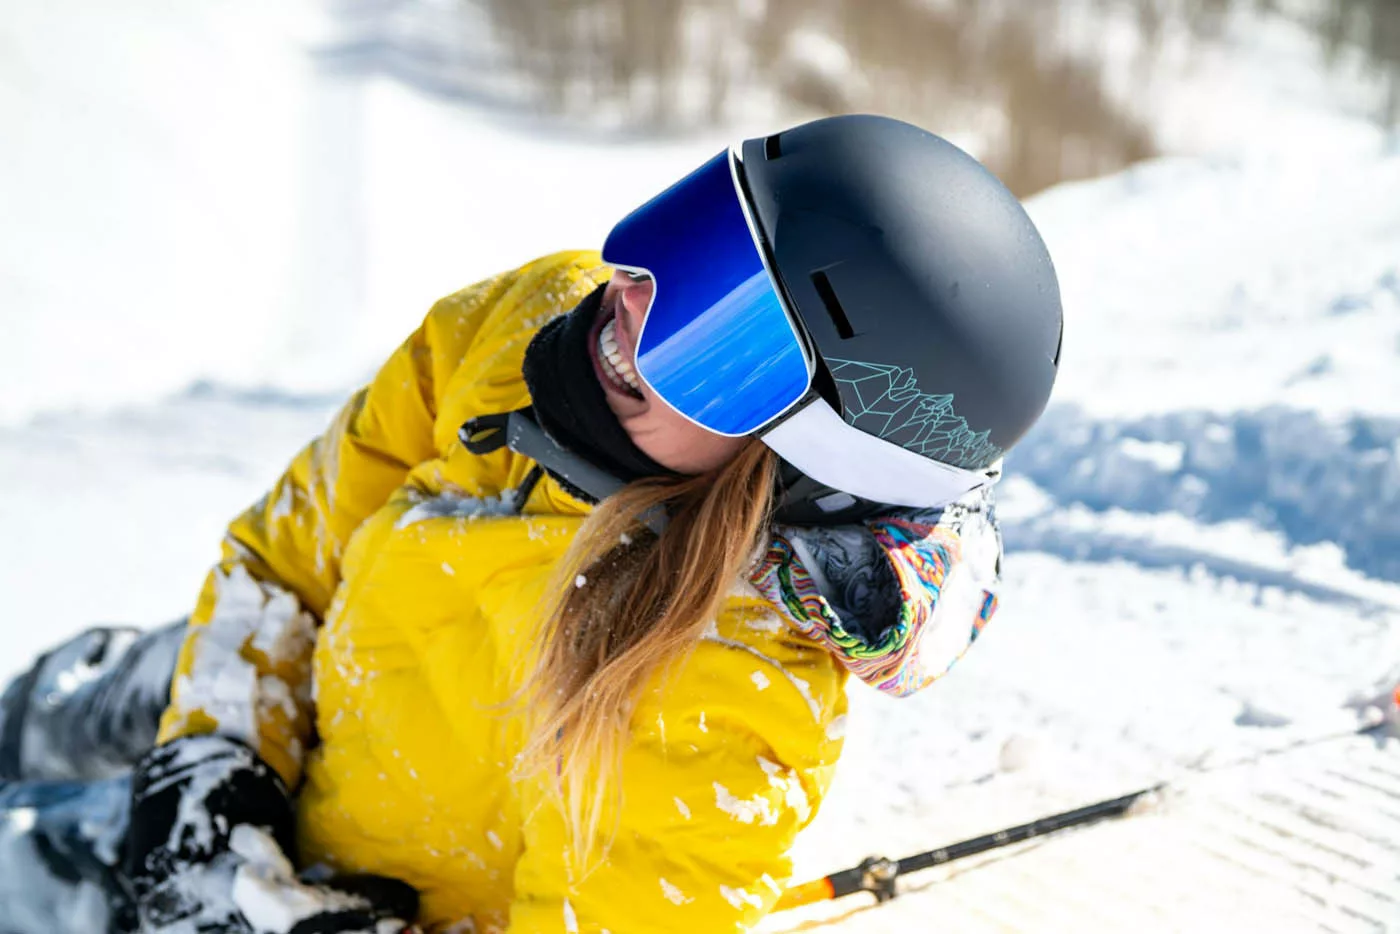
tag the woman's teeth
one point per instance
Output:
(614, 365)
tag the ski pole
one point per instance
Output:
(877, 874)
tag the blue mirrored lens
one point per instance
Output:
(716, 344)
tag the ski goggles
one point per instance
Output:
(720, 345)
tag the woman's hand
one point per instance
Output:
(210, 827)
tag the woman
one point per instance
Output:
(549, 631)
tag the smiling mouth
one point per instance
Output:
(614, 367)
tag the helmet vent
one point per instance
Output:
(833, 307)
(772, 148)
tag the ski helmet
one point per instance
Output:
(861, 294)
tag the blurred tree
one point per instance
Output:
(993, 71)
(1374, 27)
(673, 65)
(1370, 27)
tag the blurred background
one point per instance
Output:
(218, 216)
(296, 179)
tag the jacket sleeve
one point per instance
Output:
(245, 666)
(727, 761)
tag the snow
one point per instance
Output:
(266, 890)
(787, 781)
(745, 810)
(739, 897)
(451, 505)
(127, 210)
(1312, 482)
(224, 685)
(284, 634)
(20, 820)
(1165, 457)
(1230, 257)
(673, 893)
(1019, 752)
(1269, 87)
(1203, 533)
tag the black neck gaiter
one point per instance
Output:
(568, 401)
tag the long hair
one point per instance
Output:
(624, 604)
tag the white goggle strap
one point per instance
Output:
(820, 443)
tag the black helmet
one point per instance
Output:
(858, 293)
(924, 288)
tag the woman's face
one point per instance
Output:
(662, 433)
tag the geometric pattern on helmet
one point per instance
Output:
(890, 406)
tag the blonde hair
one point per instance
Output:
(624, 604)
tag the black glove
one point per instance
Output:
(211, 824)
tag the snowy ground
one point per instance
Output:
(1203, 533)
(1301, 842)
(1194, 576)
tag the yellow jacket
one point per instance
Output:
(371, 613)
